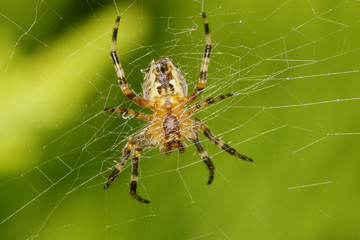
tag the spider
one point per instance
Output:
(165, 92)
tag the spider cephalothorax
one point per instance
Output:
(165, 92)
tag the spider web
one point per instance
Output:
(293, 67)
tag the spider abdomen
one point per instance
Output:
(163, 79)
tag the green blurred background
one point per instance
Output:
(293, 66)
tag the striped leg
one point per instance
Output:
(129, 112)
(134, 176)
(219, 143)
(205, 158)
(206, 102)
(120, 72)
(205, 63)
(120, 165)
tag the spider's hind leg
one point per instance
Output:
(204, 65)
(120, 71)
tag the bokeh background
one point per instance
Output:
(294, 69)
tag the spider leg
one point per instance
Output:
(204, 65)
(120, 165)
(120, 71)
(134, 176)
(219, 143)
(205, 158)
(190, 111)
(129, 112)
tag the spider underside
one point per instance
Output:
(165, 92)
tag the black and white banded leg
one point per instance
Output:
(130, 112)
(134, 176)
(220, 143)
(120, 165)
(120, 71)
(190, 111)
(205, 63)
(205, 158)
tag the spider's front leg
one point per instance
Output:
(135, 145)
(220, 143)
(120, 165)
(134, 176)
(120, 72)
(205, 158)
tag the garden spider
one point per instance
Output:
(165, 92)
